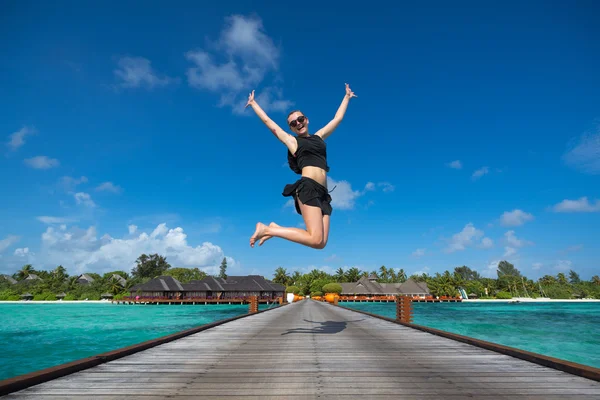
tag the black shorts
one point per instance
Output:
(310, 192)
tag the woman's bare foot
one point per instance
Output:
(267, 237)
(258, 233)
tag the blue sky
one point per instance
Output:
(474, 138)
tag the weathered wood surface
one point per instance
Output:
(311, 350)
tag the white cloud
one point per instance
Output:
(515, 218)
(342, 197)
(584, 155)
(132, 229)
(109, 187)
(580, 205)
(17, 139)
(42, 162)
(487, 243)
(574, 248)
(424, 270)
(333, 257)
(491, 269)
(81, 250)
(513, 241)
(21, 252)
(461, 240)
(54, 220)
(455, 164)
(563, 265)
(137, 72)
(244, 55)
(537, 266)
(387, 187)
(69, 183)
(480, 172)
(7, 242)
(418, 253)
(85, 199)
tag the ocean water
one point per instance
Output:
(565, 330)
(37, 336)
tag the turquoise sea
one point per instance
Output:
(37, 336)
(565, 330)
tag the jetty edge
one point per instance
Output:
(570, 367)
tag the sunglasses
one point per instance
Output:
(299, 120)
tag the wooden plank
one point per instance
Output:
(314, 350)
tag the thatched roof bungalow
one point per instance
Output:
(85, 279)
(8, 278)
(368, 286)
(210, 288)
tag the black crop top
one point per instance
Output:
(312, 151)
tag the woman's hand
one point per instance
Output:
(251, 99)
(349, 92)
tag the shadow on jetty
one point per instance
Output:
(325, 327)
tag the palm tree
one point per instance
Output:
(281, 276)
(25, 271)
(340, 276)
(401, 276)
(383, 273)
(596, 280)
(114, 285)
(353, 274)
(562, 278)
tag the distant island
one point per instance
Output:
(49, 285)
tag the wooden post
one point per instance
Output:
(280, 300)
(335, 301)
(404, 308)
(253, 305)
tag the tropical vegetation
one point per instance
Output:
(47, 284)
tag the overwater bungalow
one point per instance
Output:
(210, 288)
(367, 288)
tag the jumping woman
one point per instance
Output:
(307, 156)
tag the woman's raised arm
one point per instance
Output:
(339, 115)
(282, 135)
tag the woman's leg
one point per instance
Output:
(314, 236)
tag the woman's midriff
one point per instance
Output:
(316, 174)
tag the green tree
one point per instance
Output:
(24, 272)
(353, 274)
(574, 277)
(340, 276)
(223, 269)
(281, 276)
(401, 278)
(383, 274)
(466, 273)
(150, 266)
(596, 280)
(561, 278)
(507, 269)
(186, 275)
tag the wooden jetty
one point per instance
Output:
(316, 350)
